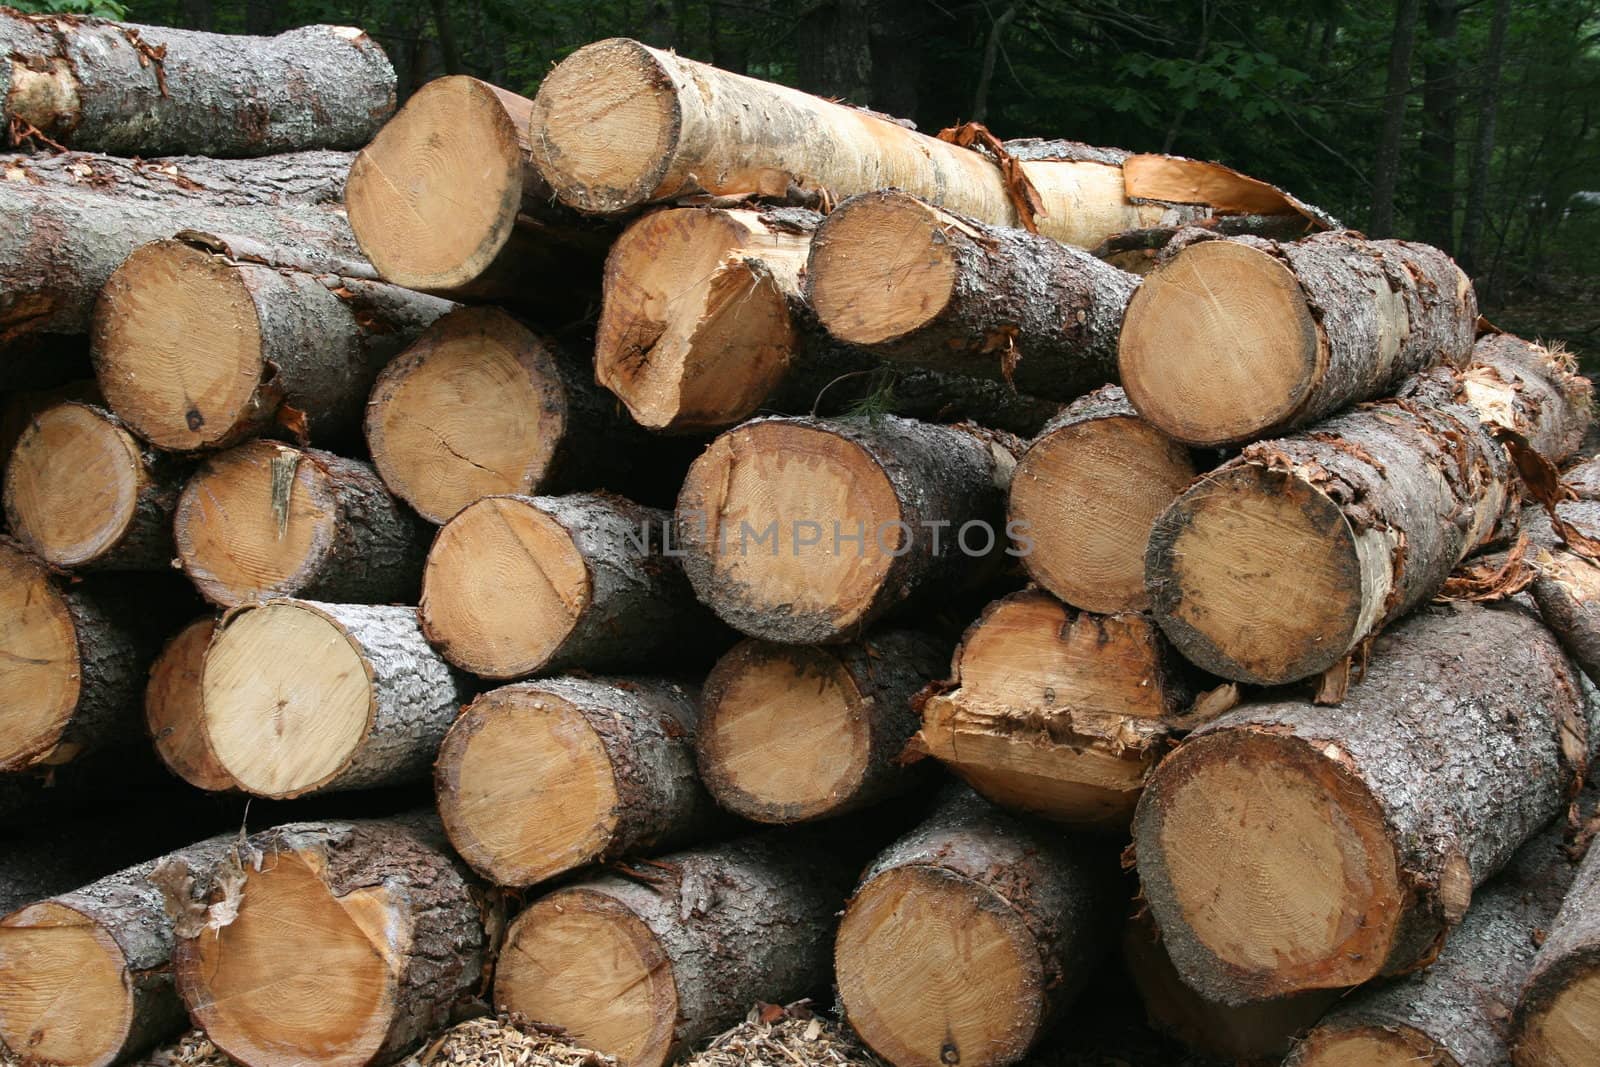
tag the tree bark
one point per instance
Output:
(133, 90)
(918, 504)
(77, 217)
(1436, 163)
(1555, 992)
(266, 339)
(173, 714)
(540, 778)
(1056, 713)
(85, 976)
(1085, 495)
(265, 520)
(642, 965)
(522, 585)
(966, 298)
(342, 943)
(790, 734)
(301, 697)
(1335, 855)
(83, 492)
(1477, 206)
(1397, 90)
(991, 51)
(1231, 340)
(836, 50)
(1282, 561)
(970, 935)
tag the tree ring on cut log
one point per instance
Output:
(886, 276)
(1371, 1046)
(301, 967)
(1561, 1033)
(72, 484)
(177, 346)
(585, 962)
(172, 709)
(1090, 492)
(287, 698)
(610, 142)
(474, 407)
(65, 997)
(526, 788)
(773, 496)
(1220, 319)
(39, 669)
(504, 586)
(784, 732)
(1257, 575)
(434, 198)
(935, 969)
(1268, 860)
(240, 543)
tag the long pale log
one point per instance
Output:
(969, 936)
(203, 340)
(1231, 340)
(173, 713)
(539, 778)
(300, 697)
(135, 90)
(1556, 1005)
(640, 967)
(1288, 846)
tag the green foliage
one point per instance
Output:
(107, 9)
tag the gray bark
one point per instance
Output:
(150, 90)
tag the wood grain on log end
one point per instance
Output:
(172, 709)
(67, 998)
(1371, 1046)
(885, 270)
(1561, 1030)
(39, 668)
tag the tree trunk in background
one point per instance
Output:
(834, 39)
(1386, 168)
(658, 23)
(980, 98)
(897, 35)
(198, 14)
(260, 16)
(1483, 151)
(729, 50)
(449, 51)
(1436, 170)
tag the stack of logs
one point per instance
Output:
(937, 516)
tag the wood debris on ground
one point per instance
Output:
(193, 1049)
(795, 1034)
(504, 1041)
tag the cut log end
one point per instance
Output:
(583, 961)
(65, 994)
(288, 699)
(434, 198)
(475, 407)
(766, 501)
(1372, 1046)
(1256, 575)
(784, 733)
(1219, 344)
(172, 709)
(886, 269)
(525, 787)
(504, 587)
(605, 125)
(39, 668)
(1561, 1032)
(1090, 493)
(177, 346)
(936, 969)
(72, 485)
(1275, 863)
(303, 966)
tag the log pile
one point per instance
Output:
(639, 556)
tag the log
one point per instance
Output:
(791, 733)
(134, 90)
(804, 530)
(339, 943)
(200, 341)
(1055, 712)
(84, 976)
(1288, 847)
(19, 408)
(446, 200)
(1276, 565)
(82, 492)
(1456, 1011)
(540, 778)
(265, 520)
(916, 284)
(1232, 340)
(969, 936)
(1087, 492)
(1554, 1014)
(301, 697)
(77, 217)
(640, 967)
(172, 710)
(518, 585)
(479, 404)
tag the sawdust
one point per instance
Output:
(193, 1049)
(777, 1037)
(504, 1041)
